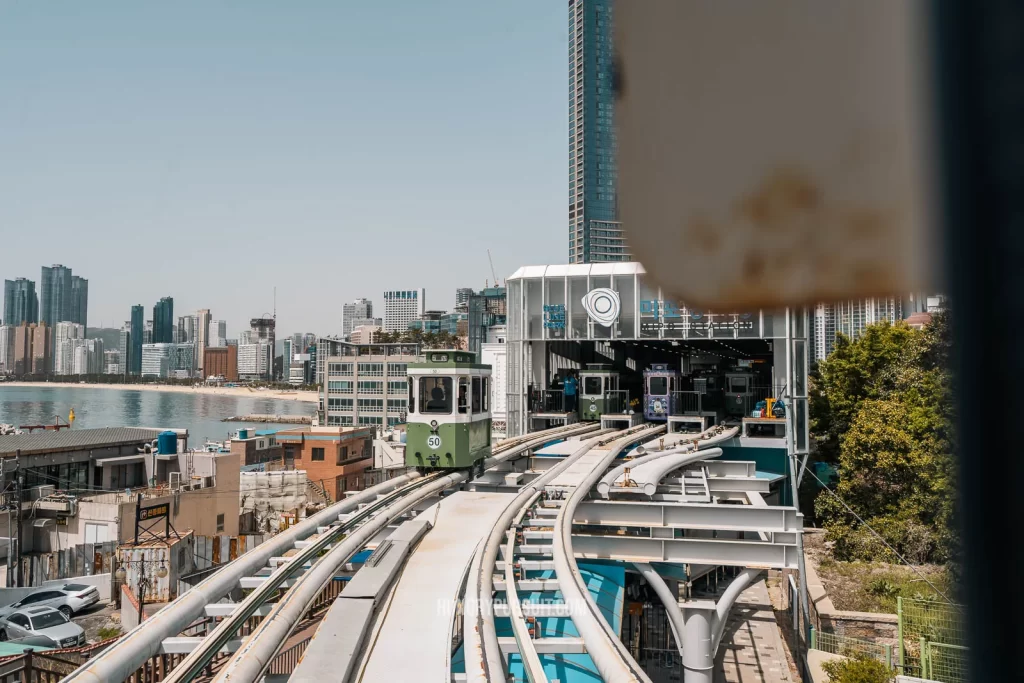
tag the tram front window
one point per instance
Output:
(592, 386)
(436, 395)
(657, 386)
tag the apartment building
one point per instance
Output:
(363, 385)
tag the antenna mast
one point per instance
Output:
(492, 267)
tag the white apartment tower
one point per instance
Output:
(850, 318)
(64, 334)
(402, 306)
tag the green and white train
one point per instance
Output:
(449, 413)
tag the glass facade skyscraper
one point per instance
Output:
(55, 294)
(163, 321)
(134, 362)
(20, 302)
(595, 233)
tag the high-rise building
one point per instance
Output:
(402, 306)
(218, 333)
(462, 295)
(202, 335)
(357, 310)
(42, 349)
(80, 301)
(261, 331)
(289, 352)
(595, 233)
(23, 349)
(88, 357)
(186, 329)
(221, 361)
(6, 349)
(255, 360)
(112, 362)
(850, 318)
(55, 294)
(147, 333)
(157, 359)
(124, 348)
(163, 321)
(64, 335)
(21, 305)
(138, 327)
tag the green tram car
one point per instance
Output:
(449, 416)
(599, 392)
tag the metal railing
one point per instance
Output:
(848, 646)
(932, 640)
(285, 662)
(547, 401)
(616, 401)
(686, 403)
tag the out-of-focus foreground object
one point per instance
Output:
(777, 153)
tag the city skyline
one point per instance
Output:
(229, 144)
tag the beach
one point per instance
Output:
(239, 392)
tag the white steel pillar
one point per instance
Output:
(698, 648)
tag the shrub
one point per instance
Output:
(858, 669)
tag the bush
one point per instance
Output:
(859, 669)
(109, 632)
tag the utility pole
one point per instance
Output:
(17, 518)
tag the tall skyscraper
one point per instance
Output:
(23, 349)
(202, 336)
(462, 295)
(55, 294)
(850, 318)
(163, 321)
(402, 306)
(80, 301)
(186, 329)
(125, 348)
(357, 310)
(138, 327)
(6, 349)
(218, 333)
(42, 349)
(64, 336)
(21, 305)
(595, 233)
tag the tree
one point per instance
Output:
(858, 669)
(884, 412)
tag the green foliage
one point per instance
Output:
(858, 669)
(429, 340)
(882, 408)
(108, 632)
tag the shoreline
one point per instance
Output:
(237, 392)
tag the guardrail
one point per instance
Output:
(285, 662)
(616, 401)
(686, 403)
(848, 646)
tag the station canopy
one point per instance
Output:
(602, 301)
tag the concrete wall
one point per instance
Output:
(878, 627)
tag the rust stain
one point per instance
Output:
(703, 233)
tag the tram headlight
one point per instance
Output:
(433, 424)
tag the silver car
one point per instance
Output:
(71, 598)
(43, 622)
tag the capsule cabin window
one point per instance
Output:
(486, 390)
(476, 395)
(412, 394)
(463, 395)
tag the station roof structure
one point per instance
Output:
(73, 440)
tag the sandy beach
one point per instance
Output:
(244, 392)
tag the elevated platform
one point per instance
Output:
(690, 423)
(621, 420)
(546, 420)
(414, 641)
(764, 427)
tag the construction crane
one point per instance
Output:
(492, 268)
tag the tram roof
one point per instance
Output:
(578, 270)
(448, 358)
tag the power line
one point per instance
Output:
(902, 559)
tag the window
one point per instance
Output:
(339, 420)
(343, 454)
(592, 386)
(371, 387)
(737, 384)
(339, 387)
(339, 404)
(371, 405)
(19, 619)
(339, 369)
(657, 386)
(398, 386)
(486, 391)
(318, 454)
(367, 448)
(371, 369)
(412, 395)
(436, 395)
(396, 405)
(476, 395)
(463, 395)
(397, 369)
(48, 620)
(220, 522)
(369, 420)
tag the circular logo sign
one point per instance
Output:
(602, 305)
(433, 441)
(593, 407)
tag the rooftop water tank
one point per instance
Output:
(167, 443)
(243, 433)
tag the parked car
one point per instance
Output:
(45, 622)
(71, 598)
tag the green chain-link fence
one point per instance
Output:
(933, 641)
(848, 646)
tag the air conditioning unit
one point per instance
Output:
(37, 492)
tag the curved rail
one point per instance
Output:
(527, 652)
(250, 661)
(650, 474)
(610, 656)
(609, 480)
(484, 661)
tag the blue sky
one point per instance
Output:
(210, 150)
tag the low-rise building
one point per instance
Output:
(221, 361)
(333, 457)
(256, 446)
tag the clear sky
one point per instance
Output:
(212, 150)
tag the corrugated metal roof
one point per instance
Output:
(69, 439)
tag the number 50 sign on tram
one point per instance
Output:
(433, 441)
